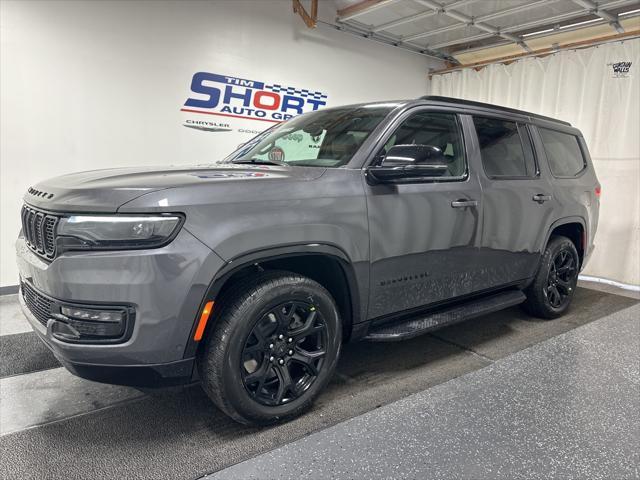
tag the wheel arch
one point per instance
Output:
(297, 258)
(574, 228)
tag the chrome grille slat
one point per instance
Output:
(39, 229)
(50, 235)
(31, 215)
(23, 218)
(38, 232)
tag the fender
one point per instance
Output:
(551, 228)
(564, 221)
(236, 264)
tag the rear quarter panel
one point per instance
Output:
(575, 196)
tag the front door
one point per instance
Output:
(424, 236)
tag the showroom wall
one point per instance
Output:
(99, 84)
(589, 89)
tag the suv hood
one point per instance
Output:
(106, 190)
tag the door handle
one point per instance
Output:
(464, 203)
(540, 198)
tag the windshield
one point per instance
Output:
(326, 138)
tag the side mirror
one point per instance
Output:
(409, 163)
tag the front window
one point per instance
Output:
(436, 129)
(327, 138)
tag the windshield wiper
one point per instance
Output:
(258, 161)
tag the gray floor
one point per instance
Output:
(54, 425)
(11, 319)
(566, 408)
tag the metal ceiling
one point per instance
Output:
(446, 28)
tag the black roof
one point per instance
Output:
(489, 106)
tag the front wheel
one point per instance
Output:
(552, 290)
(273, 348)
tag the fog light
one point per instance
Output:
(96, 315)
(96, 324)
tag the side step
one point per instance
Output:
(413, 327)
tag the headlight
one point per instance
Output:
(105, 232)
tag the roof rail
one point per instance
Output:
(470, 103)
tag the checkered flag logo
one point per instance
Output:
(296, 91)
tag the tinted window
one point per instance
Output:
(505, 148)
(435, 129)
(563, 152)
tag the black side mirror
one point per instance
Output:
(409, 163)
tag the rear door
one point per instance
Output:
(518, 201)
(424, 236)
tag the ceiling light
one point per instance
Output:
(539, 32)
(586, 22)
(637, 10)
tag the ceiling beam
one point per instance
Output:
(541, 52)
(419, 16)
(310, 20)
(491, 31)
(437, 31)
(480, 36)
(593, 7)
(525, 26)
(483, 18)
(466, 19)
(618, 3)
(360, 8)
(512, 10)
(545, 21)
(388, 39)
(533, 35)
(402, 21)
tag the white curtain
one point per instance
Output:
(580, 86)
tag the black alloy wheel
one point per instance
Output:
(561, 279)
(551, 291)
(271, 347)
(284, 353)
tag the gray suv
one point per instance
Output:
(377, 221)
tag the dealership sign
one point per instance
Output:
(227, 96)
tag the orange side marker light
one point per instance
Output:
(202, 323)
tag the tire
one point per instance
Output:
(550, 294)
(246, 344)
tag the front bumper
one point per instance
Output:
(165, 286)
(144, 376)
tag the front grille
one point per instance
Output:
(39, 231)
(38, 304)
(84, 330)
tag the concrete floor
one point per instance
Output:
(103, 431)
(568, 407)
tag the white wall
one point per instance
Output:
(579, 86)
(99, 84)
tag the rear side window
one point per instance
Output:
(505, 148)
(563, 152)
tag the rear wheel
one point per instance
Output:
(552, 290)
(273, 348)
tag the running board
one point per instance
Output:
(413, 327)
